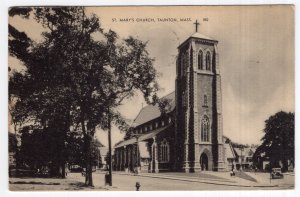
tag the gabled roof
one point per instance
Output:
(103, 151)
(248, 152)
(151, 112)
(98, 143)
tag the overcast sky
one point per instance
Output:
(256, 50)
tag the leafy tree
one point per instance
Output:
(39, 148)
(12, 142)
(278, 142)
(73, 79)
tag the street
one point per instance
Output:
(161, 182)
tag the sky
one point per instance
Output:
(256, 51)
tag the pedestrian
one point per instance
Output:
(66, 171)
(83, 172)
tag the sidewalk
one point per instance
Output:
(223, 178)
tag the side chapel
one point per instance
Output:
(189, 137)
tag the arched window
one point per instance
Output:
(205, 100)
(183, 98)
(164, 151)
(200, 60)
(205, 129)
(208, 62)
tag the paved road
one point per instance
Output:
(75, 181)
(127, 183)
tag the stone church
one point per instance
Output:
(189, 136)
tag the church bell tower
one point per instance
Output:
(199, 131)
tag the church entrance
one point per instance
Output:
(204, 162)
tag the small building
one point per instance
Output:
(244, 157)
(103, 154)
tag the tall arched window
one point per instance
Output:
(164, 151)
(208, 61)
(205, 100)
(205, 129)
(200, 60)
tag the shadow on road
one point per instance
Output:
(33, 183)
(82, 186)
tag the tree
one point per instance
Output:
(71, 74)
(12, 142)
(39, 148)
(278, 142)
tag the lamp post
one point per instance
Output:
(137, 154)
(109, 148)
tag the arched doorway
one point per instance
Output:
(204, 162)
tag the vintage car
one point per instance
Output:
(43, 172)
(276, 173)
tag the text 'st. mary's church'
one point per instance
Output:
(189, 137)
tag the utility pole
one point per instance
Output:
(137, 154)
(109, 148)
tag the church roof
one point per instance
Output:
(151, 112)
(142, 137)
(229, 153)
(199, 36)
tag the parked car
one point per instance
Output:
(76, 168)
(43, 172)
(276, 173)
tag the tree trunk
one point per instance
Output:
(61, 162)
(63, 170)
(88, 174)
(63, 151)
(88, 136)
